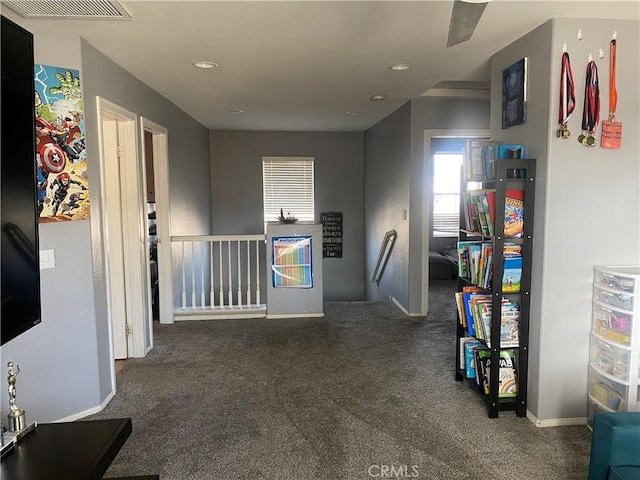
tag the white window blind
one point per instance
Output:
(288, 184)
(446, 194)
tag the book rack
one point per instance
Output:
(510, 174)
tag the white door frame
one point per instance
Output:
(427, 194)
(161, 189)
(136, 290)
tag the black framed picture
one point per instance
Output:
(514, 94)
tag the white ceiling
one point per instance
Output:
(302, 65)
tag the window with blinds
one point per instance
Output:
(446, 194)
(288, 184)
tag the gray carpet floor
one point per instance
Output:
(362, 393)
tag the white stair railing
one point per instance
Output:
(215, 265)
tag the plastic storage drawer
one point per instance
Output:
(607, 392)
(612, 324)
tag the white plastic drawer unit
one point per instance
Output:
(614, 343)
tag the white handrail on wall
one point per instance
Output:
(213, 265)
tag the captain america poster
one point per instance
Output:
(61, 159)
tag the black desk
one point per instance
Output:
(66, 451)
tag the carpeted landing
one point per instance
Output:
(364, 392)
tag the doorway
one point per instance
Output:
(430, 136)
(155, 151)
(124, 232)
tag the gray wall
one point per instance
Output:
(188, 154)
(397, 179)
(587, 204)
(236, 192)
(432, 114)
(65, 361)
(386, 186)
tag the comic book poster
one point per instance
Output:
(63, 185)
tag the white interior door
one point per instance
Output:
(124, 223)
(114, 236)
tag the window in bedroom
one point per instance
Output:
(288, 184)
(446, 194)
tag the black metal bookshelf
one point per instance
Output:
(509, 174)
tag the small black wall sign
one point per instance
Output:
(331, 234)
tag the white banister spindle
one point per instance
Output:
(248, 273)
(257, 272)
(239, 278)
(229, 262)
(184, 279)
(211, 295)
(221, 282)
(202, 298)
(193, 275)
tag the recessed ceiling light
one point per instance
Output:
(236, 112)
(377, 97)
(355, 114)
(398, 67)
(205, 64)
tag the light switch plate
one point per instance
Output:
(47, 259)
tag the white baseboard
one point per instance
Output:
(556, 422)
(86, 413)
(294, 315)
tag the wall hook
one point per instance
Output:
(601, 54)
(615, 35)
(579, 34)
(564, 48)
(590, 58)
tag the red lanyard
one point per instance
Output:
(613, 93)
(591, 111)
(567, 91)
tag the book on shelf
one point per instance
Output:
(462, 317)
(514, 213)
(480, 211)
(475, 260)
(512, 274)
(507, 384)
(469, 355)
(509, 324)
(463, 357)
(463, 260)
(479, 160)
(467, 312)
(483, 361)
(477, 308)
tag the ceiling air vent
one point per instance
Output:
(80, 9)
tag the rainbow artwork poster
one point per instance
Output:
(291, 262)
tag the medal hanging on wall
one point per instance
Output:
(591, 109)
(567, 96)
(611, 129)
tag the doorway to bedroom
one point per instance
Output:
(443, 156)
